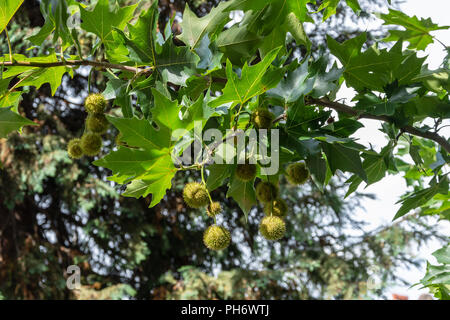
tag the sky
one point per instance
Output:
(388, 191)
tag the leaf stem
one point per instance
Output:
(9, 45)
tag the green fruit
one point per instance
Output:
(97, 123)
(91, 143)
(74, 148)
(262, 118)
(297, 173)
(216, 238)
(272, 228)
(277, 207)
(95, 103)
(266, 191)
(246, 172)
(214, 209)
(195, 195)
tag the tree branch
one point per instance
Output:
(99, 64)
(362, 115)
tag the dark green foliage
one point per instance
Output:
(55, 212)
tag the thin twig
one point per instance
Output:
(362, 115)
(9, 44)
(99, 64)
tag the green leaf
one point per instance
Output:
(150, 170)
(38, 77)
(281, 8)
(117, 89)
(238, 43)
(437, 275)
(247, 5)
(101, 21)
(7, 11)
(43, 33)
(194, 29)
(295, 27)
(217, 175)
(10, 99)
(345, 127)
(131, 162)
(56, 15)
(243, 193)
(301, 119)
(142, 37)
(254, 81)
(329, 7)
(175, 64)
(344, 159)
(210, 57)
(435, 80)
(167, 113)
(35, 76)
(275, 39)
(140, 133)
(320, 173)
(11, 121)
(443, 255)
(417, 31)
(421, 197)
(374, 69)
(349, 49)
(156, 182)
(354, 5)
(293, 86)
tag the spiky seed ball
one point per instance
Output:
(272, 228)
(95, 103)
(266, 191)
(91, 143)
(262, 118)
(97, 123)
(246, 172)
(277, 207)
(74, 148)
(216, 238)
(297, 173)
(195, 195)
(214, 209)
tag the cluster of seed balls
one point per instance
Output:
(196, 196)
(96, 124)
(272, 226)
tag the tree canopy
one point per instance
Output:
(223, 105)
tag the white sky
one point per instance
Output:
(389, 190)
